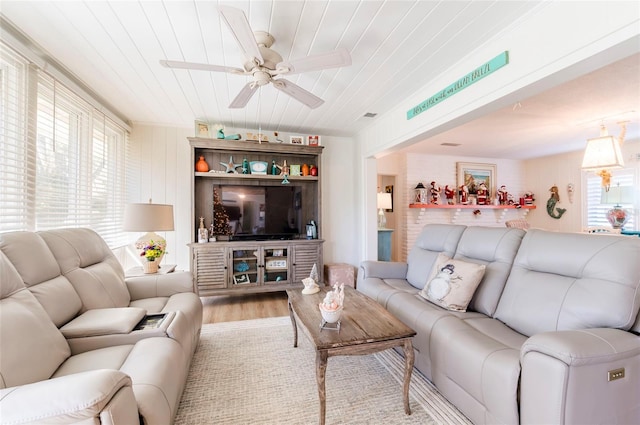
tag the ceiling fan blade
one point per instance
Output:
(243, 97)
(237, 22)
(298, 93)
(335, 59)
(200, 67)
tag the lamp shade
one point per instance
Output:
(148, 217)
(602, 152)
(617, 195)
(384, 200)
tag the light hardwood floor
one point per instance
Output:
(229, 308)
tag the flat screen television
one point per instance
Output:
(262, 212)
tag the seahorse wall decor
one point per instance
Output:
(551, 203)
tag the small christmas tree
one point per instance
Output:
(220, 216)
(314, 273)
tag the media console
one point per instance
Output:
(267, 249)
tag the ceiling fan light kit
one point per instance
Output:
(263, 64)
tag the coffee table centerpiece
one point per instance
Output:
(331, 308)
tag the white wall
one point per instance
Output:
(162, 159)
(568, 47)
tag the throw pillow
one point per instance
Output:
(452, 283)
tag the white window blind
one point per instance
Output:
(69, 171)
(16, 176)
(598, 203)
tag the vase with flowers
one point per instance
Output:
(151, 254)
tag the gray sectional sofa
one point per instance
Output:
(551, 335)
(71, 348)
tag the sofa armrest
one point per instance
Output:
(71, 399)
(383, 270)
(159, 285)
(583, 376)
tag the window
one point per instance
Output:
(598, 201)
(67, 169)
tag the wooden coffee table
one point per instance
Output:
(366, 328)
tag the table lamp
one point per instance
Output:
(617, 195)
(384, 202)
(148, 218)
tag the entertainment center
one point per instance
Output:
(267, 248)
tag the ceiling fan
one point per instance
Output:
(264, 64)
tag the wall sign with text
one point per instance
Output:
(462, 83)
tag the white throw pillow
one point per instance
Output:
(452, 283)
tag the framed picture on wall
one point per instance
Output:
(389, 189)
(296, 140)
(313, 140)
(203, 129)
(471, 174)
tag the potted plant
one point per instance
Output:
(151, 253)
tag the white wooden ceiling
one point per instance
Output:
(114, 48)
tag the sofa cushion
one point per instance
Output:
(476, 366)
(103, 321)
(452, 283)
(434, 239)
(41, 348)
(52, 290)
(496, 247)
(91, 267)
(572, 281)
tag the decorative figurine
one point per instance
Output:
(201, 165)
(310, 286)
(528, 198)
(570, 190)
(420, 194)
(551, 203)
(231, 166)
(464, 194)
(503, 195)
(483, 198)
(450, 195)
(435, 193)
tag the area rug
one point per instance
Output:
(248, 372)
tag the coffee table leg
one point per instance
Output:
(295, 328)
(321, 369)
(408, 368)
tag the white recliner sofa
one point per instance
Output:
(551, 335)
(71, 349)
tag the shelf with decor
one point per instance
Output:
(457, 209)
(223, 175)
(266, 220)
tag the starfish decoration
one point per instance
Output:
(231, 166)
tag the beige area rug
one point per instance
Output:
(249, 373)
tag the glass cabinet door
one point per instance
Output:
(245, 267)
(276, 265)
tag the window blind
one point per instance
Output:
(70, 169)
(16, 176)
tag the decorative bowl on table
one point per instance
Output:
(330, 316)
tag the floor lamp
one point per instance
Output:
(148, 218)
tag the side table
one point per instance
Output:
(384, 244)
(138, 271)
